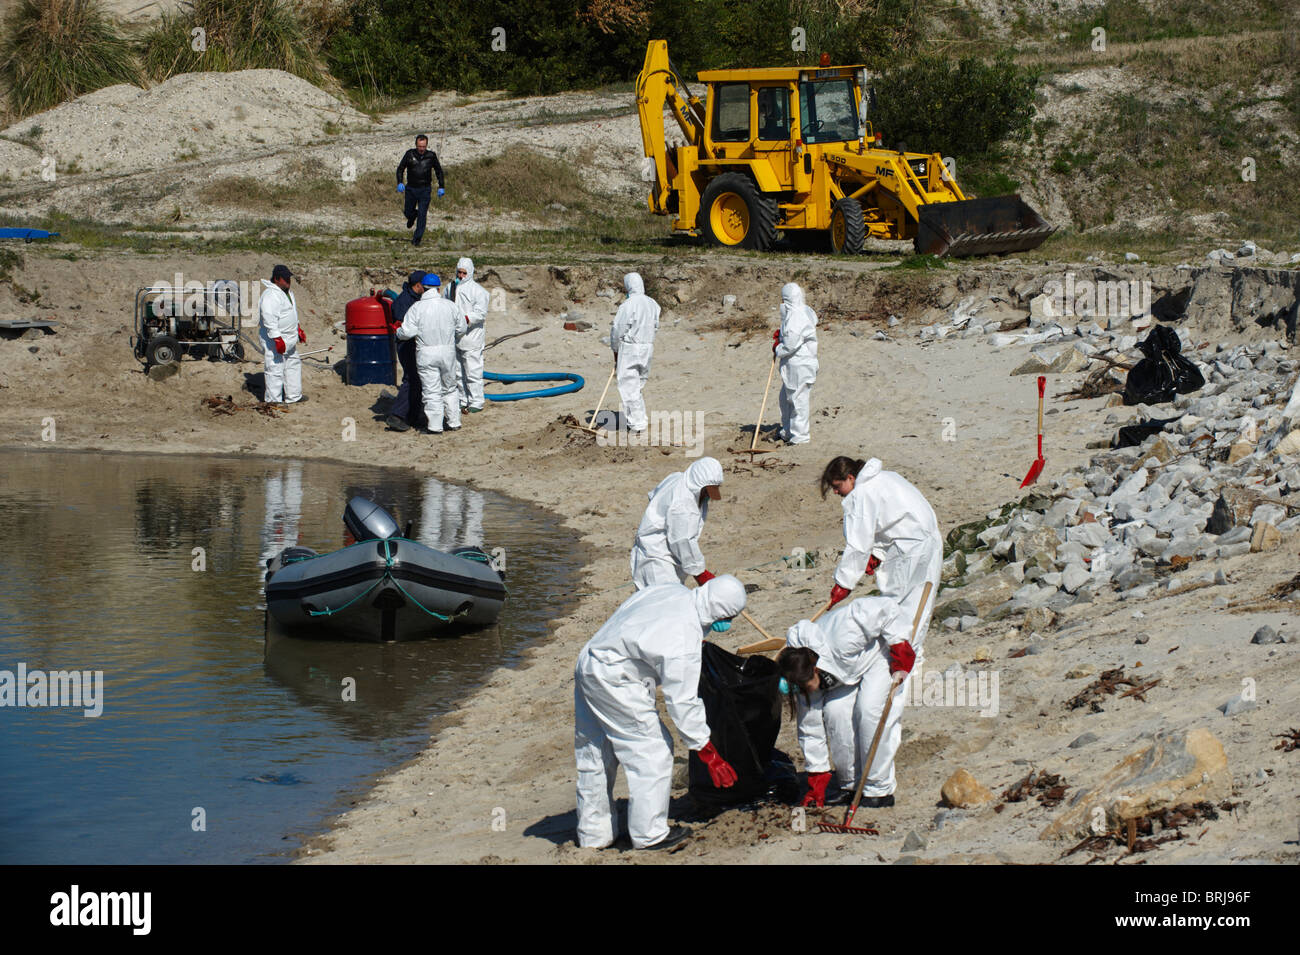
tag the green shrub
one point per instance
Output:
(237, 35)
(53, 50)
(959, 109)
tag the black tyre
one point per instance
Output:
(848, 230)
(734, 213)
(163, 350)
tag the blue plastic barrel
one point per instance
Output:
(371, 360)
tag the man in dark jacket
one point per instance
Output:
(408, 407)
(419, 165)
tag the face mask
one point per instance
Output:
(783, 687)
(722, 626)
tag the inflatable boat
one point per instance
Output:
(382, 588)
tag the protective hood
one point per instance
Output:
(792, 299)
(702, 474)
(468, 265)
(431, 292)
(633, 284)
(869, 470)
(720, 599)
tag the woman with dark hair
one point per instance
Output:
(838, 673)
(889, 530)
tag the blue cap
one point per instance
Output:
(431, 280)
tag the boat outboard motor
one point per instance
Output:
(366, 521)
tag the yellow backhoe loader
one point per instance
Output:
(789, 149)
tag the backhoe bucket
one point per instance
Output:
(980, 227)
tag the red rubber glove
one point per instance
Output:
(703, 577)
(720, 770)
(872, 563)
(279, 346)
(816, 795)
(302, 336)
(838, 593)
(776, 340)
(901, 657)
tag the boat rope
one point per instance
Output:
(388, 576)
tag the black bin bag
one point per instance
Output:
(1163, 373)
(743, 706)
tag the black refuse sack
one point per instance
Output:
(1132, 436)
(743, 706)
(1163, 373)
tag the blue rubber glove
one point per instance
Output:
(784, 687)
(721, 626)
(401, 187)
(441, 190)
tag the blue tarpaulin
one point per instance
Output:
(25, 234)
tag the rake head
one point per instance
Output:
(847, 826)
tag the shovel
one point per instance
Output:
(847, 826)
(1036, 468)
(588, 427)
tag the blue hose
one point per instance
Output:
(575, 384)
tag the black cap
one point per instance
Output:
(281, 272)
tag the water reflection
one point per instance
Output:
(150, 569)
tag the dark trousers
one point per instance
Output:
(409, 403)
(417, 207)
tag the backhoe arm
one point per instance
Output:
(656, 86)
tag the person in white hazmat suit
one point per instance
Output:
(838, 672)
(280, 334)
(653, 639)
(794, 345)
(889, 530)
(435, 323)
(667, 545)
(473, 300)
(632, 337)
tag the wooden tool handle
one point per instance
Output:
(828, 606)
(601, 402)
(763, 646)
(889, 701)
(763, 407)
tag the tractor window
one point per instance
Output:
(731, 113)
(774, 113)
(826, 111)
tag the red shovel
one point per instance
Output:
(1036, 468)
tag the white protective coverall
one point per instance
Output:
(886, 516)
(797, 353)
(278, 318)
(653, 639)
(435, 323)
(472, 299)
(632, 337)
(852, 645)
(667, 545)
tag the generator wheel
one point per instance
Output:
(734, 213)
(163, 350)
(848, 230)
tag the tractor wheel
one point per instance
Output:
(163, 350)
(734, 213)
(848, 231)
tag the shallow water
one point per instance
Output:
(212, 746)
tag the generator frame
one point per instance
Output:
(215, 326)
